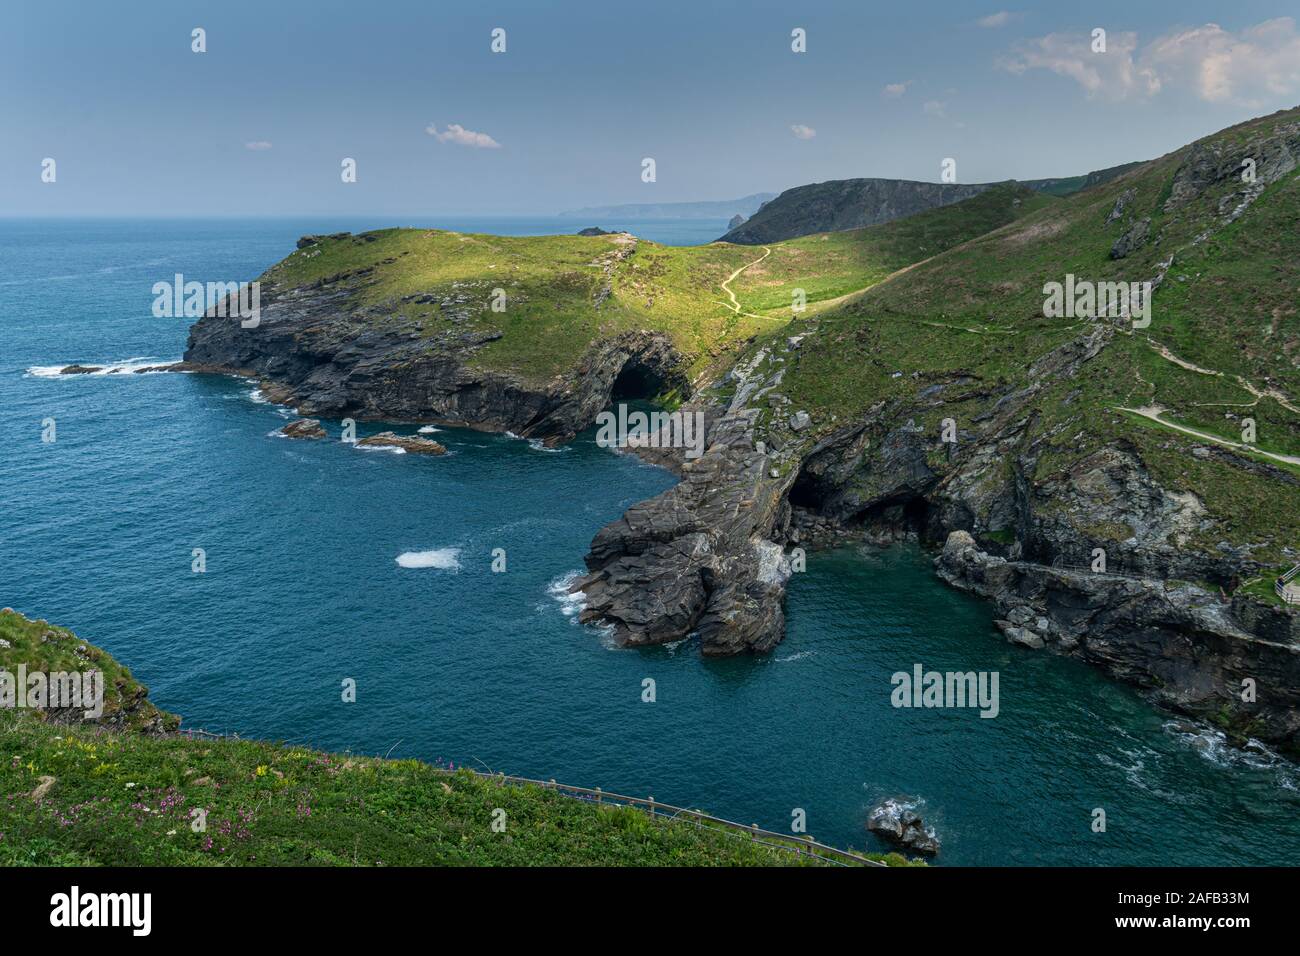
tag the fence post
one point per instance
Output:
(652, 804)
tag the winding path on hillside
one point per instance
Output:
(1277, 395)
(1153, 412)
(734, 304)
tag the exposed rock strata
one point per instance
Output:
(318, 350)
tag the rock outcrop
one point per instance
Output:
(1182, 643)
(698, 558)
(320, 350)
(303, 428)
(411, 443)
(896, 821)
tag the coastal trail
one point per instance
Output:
(734, 304)
(1153, 413)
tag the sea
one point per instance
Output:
(325, 563)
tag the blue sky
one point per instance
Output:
(140, 125)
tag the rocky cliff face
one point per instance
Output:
(314, 348)
(1017, 517)
(698, 558)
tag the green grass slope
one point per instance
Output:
(83, 794)
(564, 292)
(1223, 343)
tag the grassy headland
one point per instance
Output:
(81, 794)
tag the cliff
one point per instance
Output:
(903, 379)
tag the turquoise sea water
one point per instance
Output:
(303, 589)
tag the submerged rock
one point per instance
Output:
(418, 446)
(80, 369)
(893, 819)
(303, 428)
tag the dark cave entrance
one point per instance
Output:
(807, 492)
(637, 381)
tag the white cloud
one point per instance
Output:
(998, 19)
(1249, 67)
(894, 90)
(1114, 73)
(455, 133)
(802, 132)
(258, 146)
(935, 108)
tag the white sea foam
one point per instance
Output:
(1214, 745)
(443, 559)
(800, 655)
(428, 430)
(119, 367)
(571, 605)
(390, 448)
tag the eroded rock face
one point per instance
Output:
(698, 558)
(1182, 643)
(1274, 154)
(315, 349)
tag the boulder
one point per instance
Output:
(303, 428)
(411, 443)
(895, 820)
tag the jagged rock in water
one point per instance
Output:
(411, 443)
(894, 820)
(303, 428)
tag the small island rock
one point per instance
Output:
(419, 446)
(894, 820)
(303, 428)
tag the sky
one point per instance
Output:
(139, 124)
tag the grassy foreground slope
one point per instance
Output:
(1223, 344)
(561, 293)
(85, 795)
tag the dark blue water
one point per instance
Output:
(303, 590)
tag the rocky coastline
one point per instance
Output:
(712, 555)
